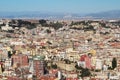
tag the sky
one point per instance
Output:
(61, 6)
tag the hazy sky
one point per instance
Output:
(66, 6)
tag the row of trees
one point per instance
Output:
(22, 23)
(56, 25)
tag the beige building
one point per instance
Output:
(67, 67)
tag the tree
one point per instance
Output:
(72, 23)
(19, 22)
(48, 31)
(114, 63)
(57, 25)
(28, 24)
(78, 67)
(42, 22)
(54, 66)
(9, 54)
(85, 72)
(13, 21)
(31, 26)
(67, 61)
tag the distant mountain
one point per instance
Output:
(113, 14)
(37, 14)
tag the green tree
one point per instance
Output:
(43, 22)
(54, 66)
(114, 63)
(85, 72)
(78, 67)
(48, 31)
(57, 25)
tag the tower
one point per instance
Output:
(38, 66)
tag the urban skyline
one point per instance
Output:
(59, 40)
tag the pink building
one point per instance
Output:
(86, 61)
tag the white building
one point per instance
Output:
(98, 64)
(6, 27)
(1, 22)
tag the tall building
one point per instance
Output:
(38, 66)
(21, 59)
